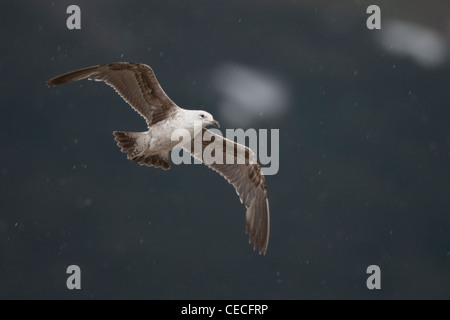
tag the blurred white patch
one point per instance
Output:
(426, 46)
(247, 94)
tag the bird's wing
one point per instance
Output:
(135, 83)
(246, 178)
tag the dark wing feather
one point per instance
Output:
(135, 83)
(248, 181)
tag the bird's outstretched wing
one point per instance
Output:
(135, 83)
(246, 178)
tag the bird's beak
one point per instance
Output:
(215, 123)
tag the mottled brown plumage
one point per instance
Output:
(138, 86)
(248, 181)
(150, 101)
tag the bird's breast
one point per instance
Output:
(164, 137)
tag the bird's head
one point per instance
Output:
(206, 119)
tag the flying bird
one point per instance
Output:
(137, 85)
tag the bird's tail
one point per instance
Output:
(135, 145)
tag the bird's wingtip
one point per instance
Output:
(51, 82)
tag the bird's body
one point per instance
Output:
(156, 139)
(137, 85)
(159, 140)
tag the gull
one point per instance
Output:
(137, 84)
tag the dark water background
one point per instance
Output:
(364, 154)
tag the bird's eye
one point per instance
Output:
(202, 115)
